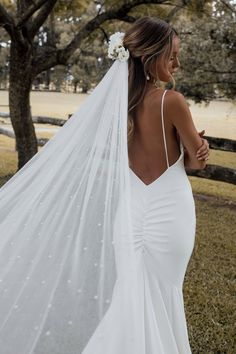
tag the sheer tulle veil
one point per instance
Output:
(65, 231)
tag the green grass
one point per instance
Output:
(209, 288)
(222, 158)
(8, 158)
(216, 189)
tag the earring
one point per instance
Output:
(148, 77)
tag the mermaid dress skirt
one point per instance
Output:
(163, 227)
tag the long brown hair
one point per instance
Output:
(149, 37)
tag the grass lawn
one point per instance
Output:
(209, 287)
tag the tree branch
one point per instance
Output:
(187, 3)
(6, 20)
(120, 13)
(229, 6)
(106, 37)
(41, 17)
(30, 11)
(172, 12)
(50, 57)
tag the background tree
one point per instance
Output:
(4, 60)
(48, 33)
(90, 65)
(208, 53)
(29, 56)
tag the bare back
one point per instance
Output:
(155, 144)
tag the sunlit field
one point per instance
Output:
(218, 119)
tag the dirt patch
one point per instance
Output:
(215, 201)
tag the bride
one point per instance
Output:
(97, 229)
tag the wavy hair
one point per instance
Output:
(152, 38)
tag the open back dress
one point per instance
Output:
(163, 226)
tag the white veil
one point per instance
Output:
(65, 231)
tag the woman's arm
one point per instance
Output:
(176, 108)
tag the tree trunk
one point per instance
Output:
(75, 87)
(85, 88)
(19, 102)
(48, 79)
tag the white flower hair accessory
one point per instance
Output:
(116, 50)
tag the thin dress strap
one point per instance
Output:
(163, 128)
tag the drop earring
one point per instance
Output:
(148, 77)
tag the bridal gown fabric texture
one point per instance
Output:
(91, 259)
(163, 226)
(58, 267)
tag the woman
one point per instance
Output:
(159, 61)
(162, 205)
(96, 232)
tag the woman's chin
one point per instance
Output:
(166, 78)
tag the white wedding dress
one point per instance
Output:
(163, 221)
(92, 260)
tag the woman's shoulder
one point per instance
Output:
(172, 96)
(176, 103)
(173, 101)
(175, 96)
(176, 110)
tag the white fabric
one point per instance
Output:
(163, 227)
(80, 272)
(163, 127)
(164, 224)
(57, 261)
